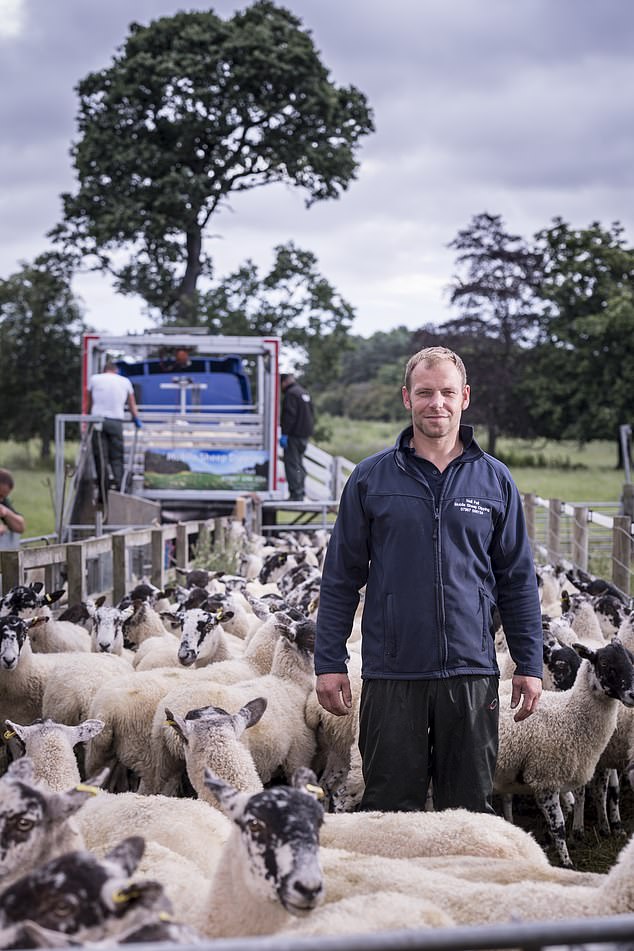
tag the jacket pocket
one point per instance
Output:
(486, 610)
(389, 626)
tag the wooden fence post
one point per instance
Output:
(628, 499)
(554, 530)
(622, 552)
(76, 572)
(119, 574)
(580, 537)
(182, 546)
(11, 568)
(158, 558)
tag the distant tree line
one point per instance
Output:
(545, 327)
(194, 109)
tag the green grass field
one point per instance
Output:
(560, 470)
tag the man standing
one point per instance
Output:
(297, 425)
(108, 395)
(434, 529)
(11, 522)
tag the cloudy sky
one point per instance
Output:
(516, 107)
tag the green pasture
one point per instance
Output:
(560, 470)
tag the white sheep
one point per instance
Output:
(24, 676)
(187, 827)
(557, 748)
(49, 746)
(281, 740)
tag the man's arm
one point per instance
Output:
(13, 521)
(134, 410)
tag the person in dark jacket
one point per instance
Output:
(434, 529)
(297, 424)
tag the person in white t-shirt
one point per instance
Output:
(108, 395)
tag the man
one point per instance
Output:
(434, 528)
(297, 425)
(11, 522)
(108, 395)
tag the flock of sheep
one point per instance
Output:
(168, 774)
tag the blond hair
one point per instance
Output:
(430, 356)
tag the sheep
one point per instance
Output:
(211, 738)
(578, 610)
(185, 827)
(144, 622)
(127, 708)
(203, 640)
(108, 626)
(557, 748)
(35, 823)
(281, 740)
(24, 676)
(48, 635)
(49, 746)
(337, 737)
(77, 894)
(270, 870)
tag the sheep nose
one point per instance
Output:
(310, 891)
(186, 657)
(104, 648)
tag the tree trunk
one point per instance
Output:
(45, 452)
(187, 290)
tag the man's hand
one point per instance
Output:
(529, 690)
(3, 510)
(334, 693)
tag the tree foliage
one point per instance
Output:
(40, 329)
(371, 377)
(581, 376)
(194, 109)
(494, 292)
(292, 300)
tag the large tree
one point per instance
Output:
(494, 292)
(581, 376)
(292, 300)
(40, 329)
(194, 109)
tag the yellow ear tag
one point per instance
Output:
(219, 614)
(170, 723)
(93, 790)
(163, 916)
(316, 791)
(8, 734)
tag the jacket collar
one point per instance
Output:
(471, 448)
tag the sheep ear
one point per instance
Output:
(231, 801)
(305, 780)
(252, 711)
(13, 737)
(129, 611)
(55, 596)
(101, 600)
(177, 723)
(586, 652)
(86, 730)
(128, 853)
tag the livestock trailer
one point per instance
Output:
(210, 424)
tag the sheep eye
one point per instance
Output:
(256, 826)
(23, 824)
(63, 909)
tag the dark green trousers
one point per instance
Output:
(414, 731)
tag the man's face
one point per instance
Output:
(4, 491)
(436, 399)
